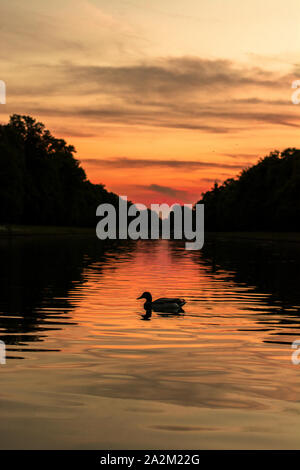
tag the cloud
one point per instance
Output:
(166, 190)
(90, 65)
(212, 119)
(247, 156)
(184, 93)
(53, 32)
(124, 162)
(210, 180)
(169, 76)
(156, 81)
(126, 116)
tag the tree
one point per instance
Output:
(265, 196)
(40, 180)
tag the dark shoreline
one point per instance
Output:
(261, 236)
(32, 230)
(7, 231)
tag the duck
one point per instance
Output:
(164, 304)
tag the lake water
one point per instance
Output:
(85, 370)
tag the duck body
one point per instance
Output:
(164, 304)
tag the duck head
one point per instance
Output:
(147, 296)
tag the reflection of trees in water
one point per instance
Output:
(271, 267)
(37, 276)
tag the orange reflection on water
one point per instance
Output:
(207, 378)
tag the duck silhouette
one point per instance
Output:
(164, 304)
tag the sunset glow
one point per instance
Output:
(159, 98)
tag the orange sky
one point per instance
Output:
(160, 98)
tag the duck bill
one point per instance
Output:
(141, 297)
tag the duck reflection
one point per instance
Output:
(147, 315)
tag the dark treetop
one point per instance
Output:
(265, 197)
(40, 180)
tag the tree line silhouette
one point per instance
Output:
(41, 183)
(264, 197)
